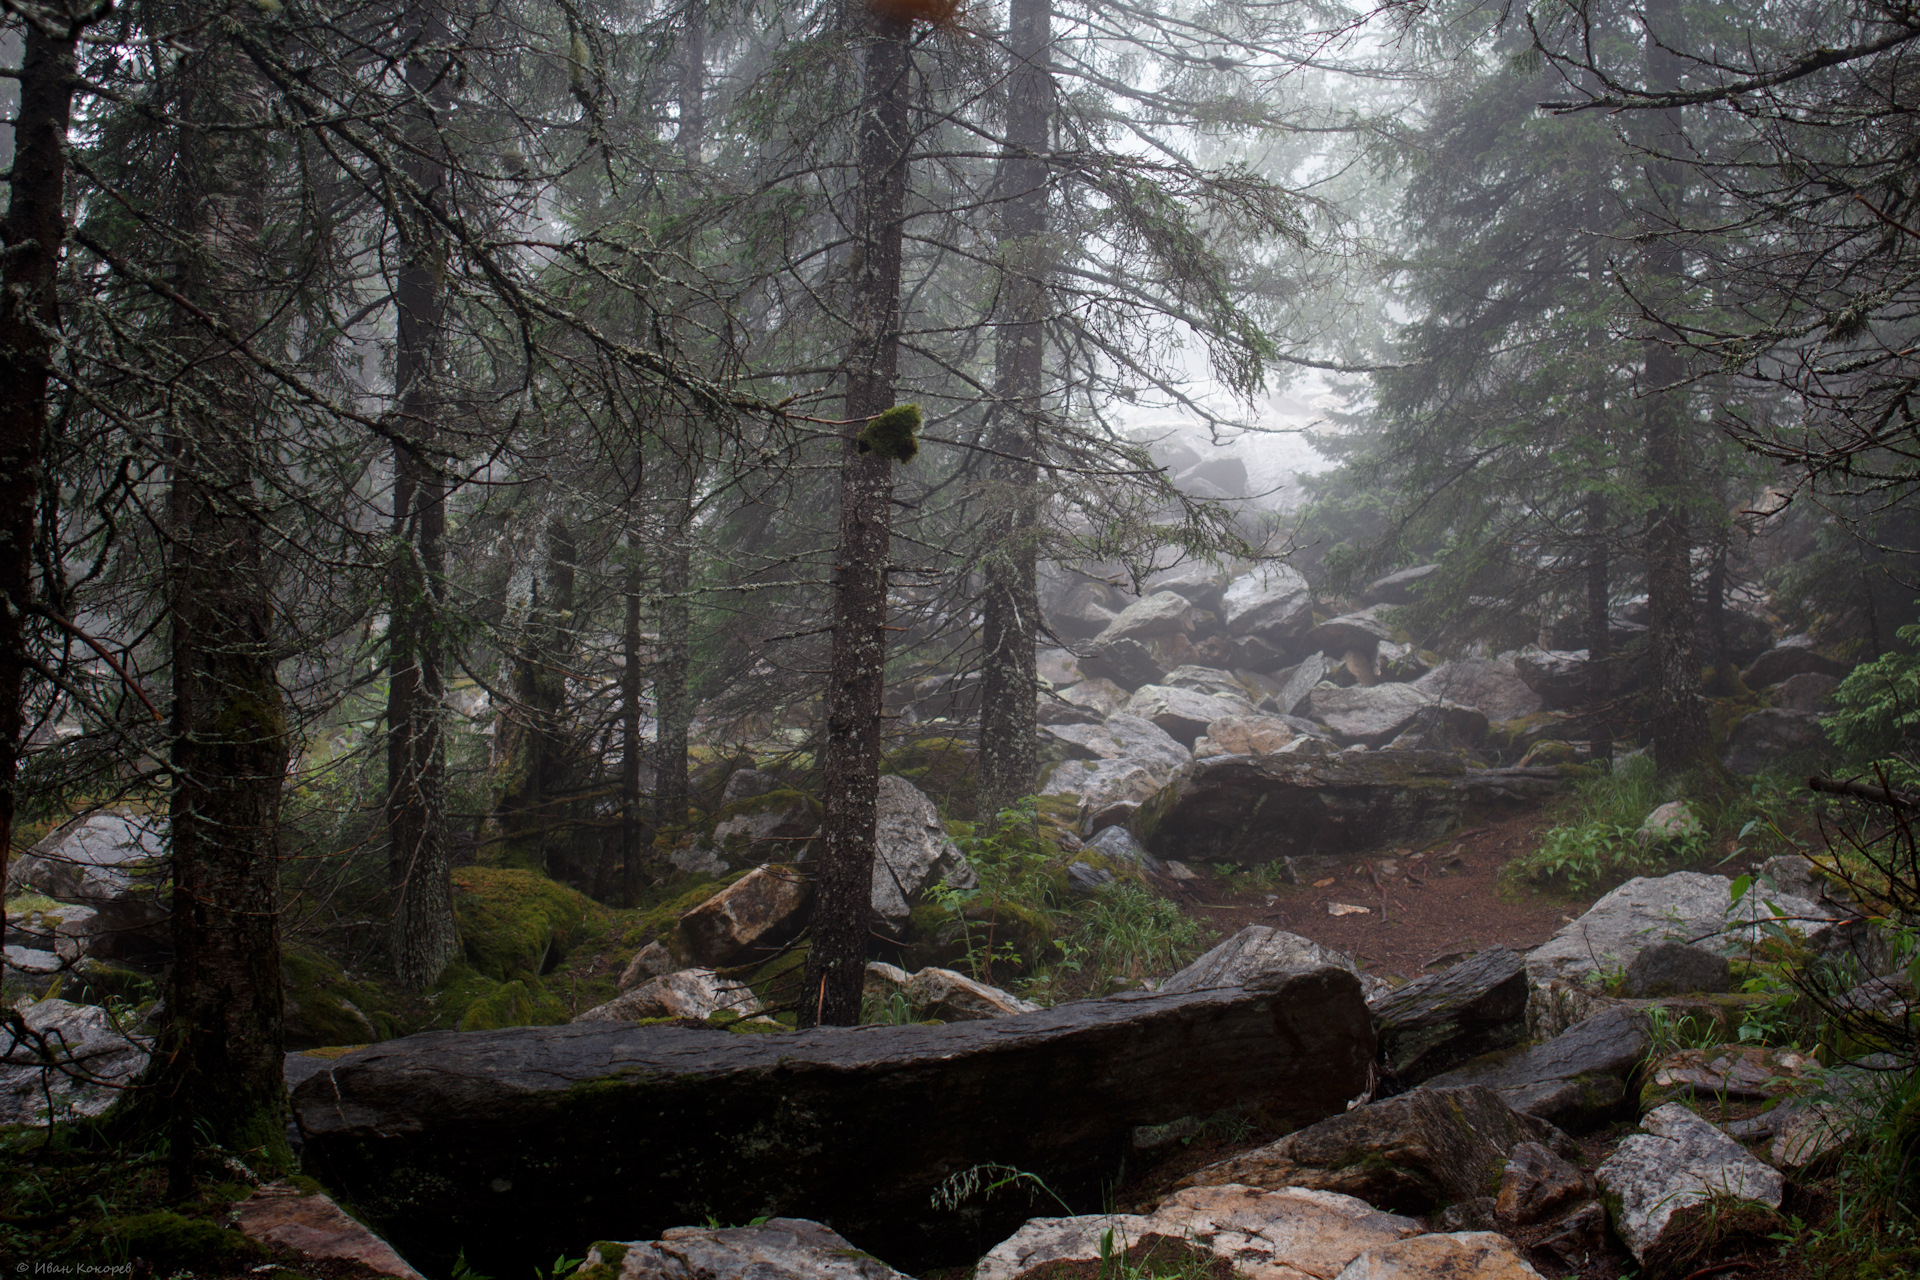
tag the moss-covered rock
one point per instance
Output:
(945, 768)
(327, 1005)
(174, 1243)
(515, 922)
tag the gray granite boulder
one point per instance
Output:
(1437, 1022)
(1182, 713)
(1674, 968)
(1255, 809)
(1771, 736)
(1273, 602)
(1258, 954)
(1559, 676)
(776, 1249)
(1164, 613)
(1126, 661)
(686, 993)
(1577, 1080)
(1198, 581)
(1677, 1160)
(78, 1055)
(114, 863)
(1297, 689)
(1368, 715)
(1401, 587)
(911, 853)
(1491, 686)
(1793, 656)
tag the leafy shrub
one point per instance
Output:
(1607, 808)
(1876, 721)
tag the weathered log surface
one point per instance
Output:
(517, 1145)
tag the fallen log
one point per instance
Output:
(515, 1146)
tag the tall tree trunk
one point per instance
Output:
(1598, 570)
(836, 964)
(673, 700)
(1678, 710)
(222, 1048)
(633, 745)
(1010, 613)
(423, 937)
(33, 230)
(533, 765)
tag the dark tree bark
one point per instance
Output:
(836, 963)
(533, 770)
(1010, 611)
(222, 1049)
(33, 231)
(673, 700)
(423, 936)
(1678, 711)
(633, 744)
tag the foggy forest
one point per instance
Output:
(973, 639)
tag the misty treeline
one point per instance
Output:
(376, 369)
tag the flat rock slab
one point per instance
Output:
(778, 1249)
(519, 1144)
(1440, 1021)
(310, 1223)
(1464, 1255)
(1252, 809)
(1287, 1234)
(1676, 1160)
(1409, 1154)
(1575, 1081)
(1256, 953)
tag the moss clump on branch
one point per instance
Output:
(894, 435)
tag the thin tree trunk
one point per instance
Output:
(1598, 569)
(34, 229)
(222, 1048)
(633, 746)
(1009, 756)
(836, 963)
(673, 700)
(534, 764)
(1678, 711)
(423, 936)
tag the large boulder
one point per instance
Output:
(1791, 657)
(1084, 610)
(517, 1145)
(1559, 676)
(76, 1056)
(1809, 691)
(1252, 809)
(1771, 736)
(911, 852)
(1440, 1021)
(1677, 1160)
(687, 993)
(114, 863)
(1245, 736)
(1096, 694)
(1127, 662)
(1284, 1234)
(774, 1249)
(1674, 968)
(1131, 760)
(1182, 713)
(1296, 690)
(1577, 1080)
(1213, 681)
(766, 825)
(1360, 632)
(1273, 602)
(1686, 906)
(1440, 1255)
(1164, 613)
(1256, 954)
(1408, 1154)
(1492, 686)
(749, 920)
(1198, 581)
(1368, 715)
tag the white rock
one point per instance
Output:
(1676, 1160)
(954, 997)
(1491, 686)
(1244, 736)
(1294, 696)
(649, 962)
(115, 863)
(1183, 713)
(1273, 602)
(1675, 820)
(1289, 1234)
(1164, 613)
(912, 851)
(690, 993)
(777, 1249)
(1256, 953)
(84, 1038)
(1097, 694)
(1368, 716)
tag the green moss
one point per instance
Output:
(944, 768)
(172, 1242)
(521, 1003)
(893, 435)
(603, 1261)
(658, 921)
(327, 1006)
(514, 922)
